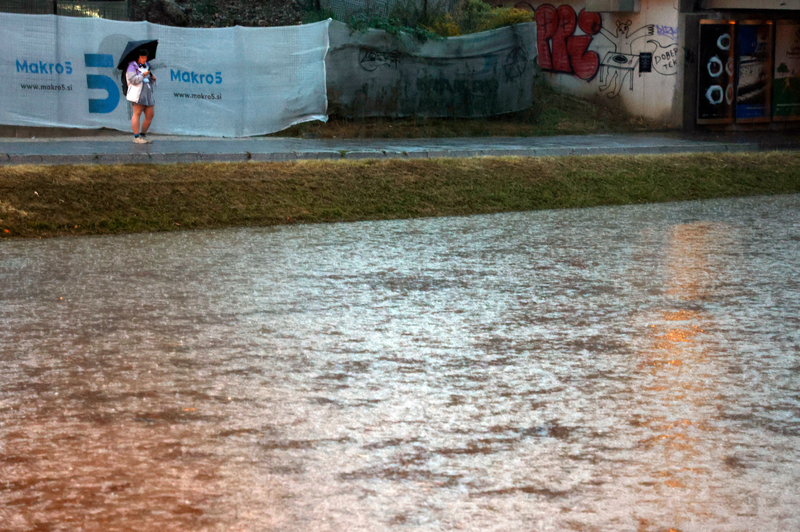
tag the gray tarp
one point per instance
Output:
(379, 74)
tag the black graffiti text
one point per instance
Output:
(370, 59)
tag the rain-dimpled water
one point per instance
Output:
(617, 368)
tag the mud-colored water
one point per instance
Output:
(633, 368)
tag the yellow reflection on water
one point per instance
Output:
(676, 368)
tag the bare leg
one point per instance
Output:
(137, 114)
(149, 111)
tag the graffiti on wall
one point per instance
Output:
(461, 97)
(665, 58)
(618, 65)
(560, 50)
(516, 63)
(564, 50)
(371, 59)
(396, 83)
(669, 32)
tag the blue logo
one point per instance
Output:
(41, 67)
(195, 77)
(96, 81)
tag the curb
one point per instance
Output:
(383, 154)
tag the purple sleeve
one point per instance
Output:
(132, 74)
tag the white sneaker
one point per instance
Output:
(139, 140)
(148, 141)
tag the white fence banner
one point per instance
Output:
(231, 82)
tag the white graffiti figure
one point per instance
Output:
(622, 61)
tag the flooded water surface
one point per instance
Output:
(632, 368)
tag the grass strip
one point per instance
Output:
(46, 201)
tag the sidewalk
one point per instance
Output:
(170, 149)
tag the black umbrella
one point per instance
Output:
(131, 52)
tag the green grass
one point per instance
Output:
(44, 201)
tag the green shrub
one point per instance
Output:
(471, 14)
(392, 25)
(316, 15)
(444, 25)
(433, 23)
(504, 16)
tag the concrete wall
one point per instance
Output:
(599, 55)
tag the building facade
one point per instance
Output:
(687, 63)
(742, 63)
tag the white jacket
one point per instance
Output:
(136, 81)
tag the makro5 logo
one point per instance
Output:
(98, 81)
(93, 81)
(41, 67)
(194, 77)
(106, 83)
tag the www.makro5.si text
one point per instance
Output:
(197, 96)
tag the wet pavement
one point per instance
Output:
(623, 368)
(120, 149)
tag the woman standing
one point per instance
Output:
(141, 83)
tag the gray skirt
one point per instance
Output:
(146, 97)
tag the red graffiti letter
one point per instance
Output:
(567, 22)
(585, 63)
(560, 50)
(546, 26)
(590, 23)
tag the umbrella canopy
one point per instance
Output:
(131, 52)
